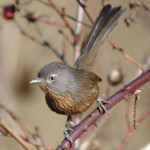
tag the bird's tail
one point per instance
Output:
(105, 23)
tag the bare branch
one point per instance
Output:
(129, 58)
(133, 129)
(14, 135)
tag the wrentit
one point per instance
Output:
(71, 90)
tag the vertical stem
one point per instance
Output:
(77, 47)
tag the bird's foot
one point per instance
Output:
(68, 128)
(100, 103)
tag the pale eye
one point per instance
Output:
(52, 78)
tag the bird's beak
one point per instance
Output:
(36, 81)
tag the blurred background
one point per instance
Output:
(21, 58)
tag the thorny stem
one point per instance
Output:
(125, 92)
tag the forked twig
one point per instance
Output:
(85, 10)
(60, 13)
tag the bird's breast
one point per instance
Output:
(68, 104)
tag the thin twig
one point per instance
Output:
(66, 37)
(26, 133)
(55, 24)
(134, 112)
(77, 47)
(128, 114)
(40, 42)
(76, 20)
(129, 58)
(126, 139)
(63, 49)
(39, 145)
(14, 135)
(60, 13)
(4, 132)
(85, 10)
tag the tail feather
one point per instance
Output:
(105, 23)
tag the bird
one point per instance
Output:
(72, 90)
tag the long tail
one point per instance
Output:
(105, 23)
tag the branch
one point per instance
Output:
(16, 119)
(33, 17)
(85, 10)
(60, 13)
(40, 42)
(124, 93)
(14, 135)
(133, 129)
(77, 48)
(129, 58)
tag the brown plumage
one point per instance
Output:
(71, 103)
(68, 90)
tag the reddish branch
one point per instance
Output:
(124, 93)
(85, 10)
(133, 129)
(61, 14)
(129, 58)
(14, 135)
(16, 119)
(71, 42)
(33, 17)
(22, 140)
(3, 131)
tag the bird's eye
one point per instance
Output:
(51, 78)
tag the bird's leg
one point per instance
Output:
(68, 128)
(100, 103)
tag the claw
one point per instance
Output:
(68, 128)
(66, 134)
(100, 103)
